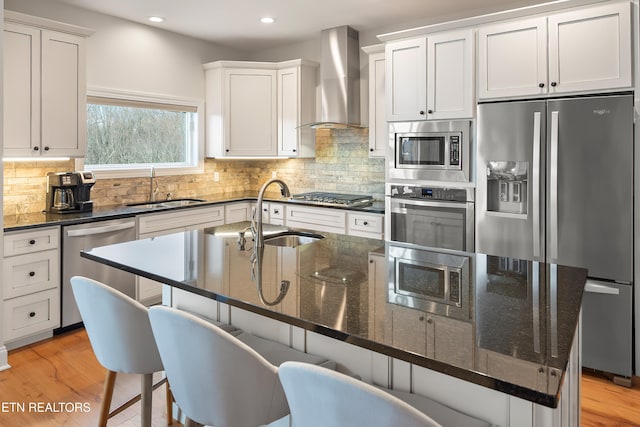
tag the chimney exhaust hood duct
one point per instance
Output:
(339, 79)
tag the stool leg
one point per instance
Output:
(147, 390)
(109, 384)
(169, 403)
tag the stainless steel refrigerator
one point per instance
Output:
(555, 184)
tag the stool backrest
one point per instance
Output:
(319, 397)
(118, 328)
(215, 378)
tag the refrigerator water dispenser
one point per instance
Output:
(507, 187)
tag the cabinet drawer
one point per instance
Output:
(320, 219)
(365, 225)
(24, 242)
(31, 273)
(31, 314)
(276, 214)
(181, 218)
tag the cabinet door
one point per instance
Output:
(590, 49)
(251, 108)
(406, 78)
(378, 129)
(288, 96)
(512, 59)
(63, 95)
(236, 212)
(452, 341)
(21, 90)
(409, 330)
(450, 66)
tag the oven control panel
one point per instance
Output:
(432, 193)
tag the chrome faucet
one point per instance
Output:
(256, 218)
(152, 191)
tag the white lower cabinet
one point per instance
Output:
(365, 225)
(31, 285)
(237, 212)
(162, 223)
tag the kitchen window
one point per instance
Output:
(128, 134)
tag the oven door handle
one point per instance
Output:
(395, 204)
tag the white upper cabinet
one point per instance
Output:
(450, 76)
(255, 109)
(431, 77)
(378, 129)
(406, 79)
(241, 109)
(512, 59)
(590, 49)
(578, 51)
(45, 88)
(296, 107)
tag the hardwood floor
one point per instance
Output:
(64, 373)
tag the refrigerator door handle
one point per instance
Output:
(536, 184)
(553, 188)
(599, 288)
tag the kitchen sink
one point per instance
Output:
(175, 203)
(291, 239)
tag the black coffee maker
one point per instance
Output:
(69, 192)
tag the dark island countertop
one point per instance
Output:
(513, 331)
(100, 213)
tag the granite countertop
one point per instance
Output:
(512, 331)
(100, 213)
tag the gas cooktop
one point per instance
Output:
(333, 199)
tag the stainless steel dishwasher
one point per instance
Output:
(76, 238)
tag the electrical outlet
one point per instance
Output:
(216, 176)
(274, 174)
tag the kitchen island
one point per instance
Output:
(502, 346)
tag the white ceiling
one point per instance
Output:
(235, 23)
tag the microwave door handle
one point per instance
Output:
(535, 179)
(553, 188)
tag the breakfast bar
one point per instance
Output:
(494, 337)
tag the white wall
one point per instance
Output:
(129, 56)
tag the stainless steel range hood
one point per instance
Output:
(339, 79)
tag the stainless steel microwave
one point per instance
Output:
(429, 280)
(430, 150)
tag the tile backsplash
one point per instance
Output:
(341, 165)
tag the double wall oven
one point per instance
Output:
(429, 197)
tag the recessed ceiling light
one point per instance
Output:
(156, 19)
(267, 20)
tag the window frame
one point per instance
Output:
(161, 169)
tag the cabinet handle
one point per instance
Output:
(429, 320)
(32, 242)
(32, 273)
(541, 370)
(554, 373)
(276, 211)
(294, 150)
(540, 85)
(32, 314)
(422, 112)
(371, 149)
(36, 148)
(46, 148)
(429, 111)
(365, 223)
(421, 318)
(227, 150)
(554, 84)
